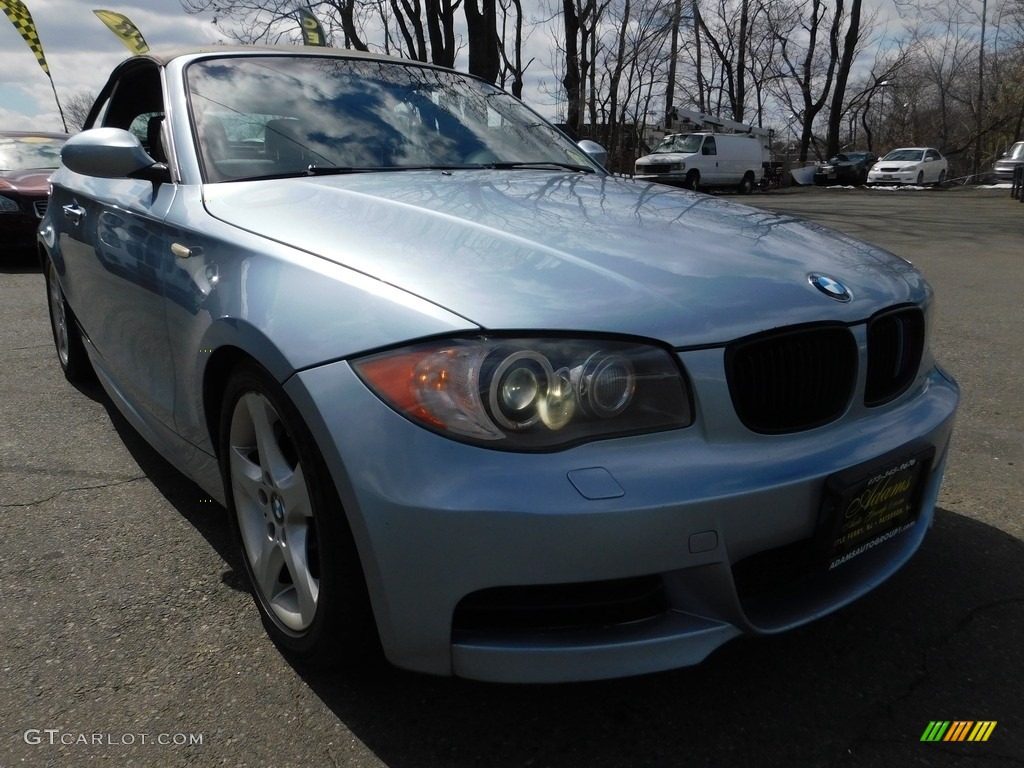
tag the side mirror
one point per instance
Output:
(110, 153)
(594, 151)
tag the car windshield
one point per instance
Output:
(20, 153)
(270, 116)
(1016, 151)
(686, 143)
(905, 154)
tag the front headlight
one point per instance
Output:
(532, 393)
(7, 205)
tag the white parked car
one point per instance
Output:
(910, 165)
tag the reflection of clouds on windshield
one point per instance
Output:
(356, 113)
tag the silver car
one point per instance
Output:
(469, 399)
(1009, 162)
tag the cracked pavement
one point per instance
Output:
(125, 618)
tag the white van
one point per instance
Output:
(707, 159)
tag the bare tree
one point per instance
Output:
(416, 29)
(76, 109)
(807, 34)
(846, 58)
(513, 69)
(726, 27)
(573, 79)
(251, 21)
(484, 46)
(968, 101)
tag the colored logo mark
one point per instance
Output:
(958, 730)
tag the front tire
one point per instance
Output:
(692, 180)
(297, 549)
(67, 338)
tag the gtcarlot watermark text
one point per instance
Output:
(58, 737)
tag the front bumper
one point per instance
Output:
(18, 231)
(1005, 172)
(439, 523)
(672, 177)
(893, 177)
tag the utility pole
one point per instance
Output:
(670, 92)
(981, 92)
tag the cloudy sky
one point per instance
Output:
(80, 52)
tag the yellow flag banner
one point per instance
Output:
(18, 13)
(126, 32)
(312, 32)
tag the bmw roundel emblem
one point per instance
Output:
(831, 288)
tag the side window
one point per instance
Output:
(709, 146)
(137, 105)
(932, 155)
(140, 127)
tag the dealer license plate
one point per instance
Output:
(870, 504)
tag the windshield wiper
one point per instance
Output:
(339, 170)
(332, 170)
(538, 165)
(335, 170)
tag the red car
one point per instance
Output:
(26, 161)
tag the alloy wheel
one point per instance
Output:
(275, 513)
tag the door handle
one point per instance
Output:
(74, 213)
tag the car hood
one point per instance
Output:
(28, 182)
(532, 250)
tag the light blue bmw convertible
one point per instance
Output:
(468, 399)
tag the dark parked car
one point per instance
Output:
(26, 162)
(847, 168)
(1011, 159)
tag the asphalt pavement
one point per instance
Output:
(128, 637)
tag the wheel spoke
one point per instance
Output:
(297, 529)
(296, 497)
(58, 316)
(245, 474)
(272, 460)
(306, 587)
(266, 568)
